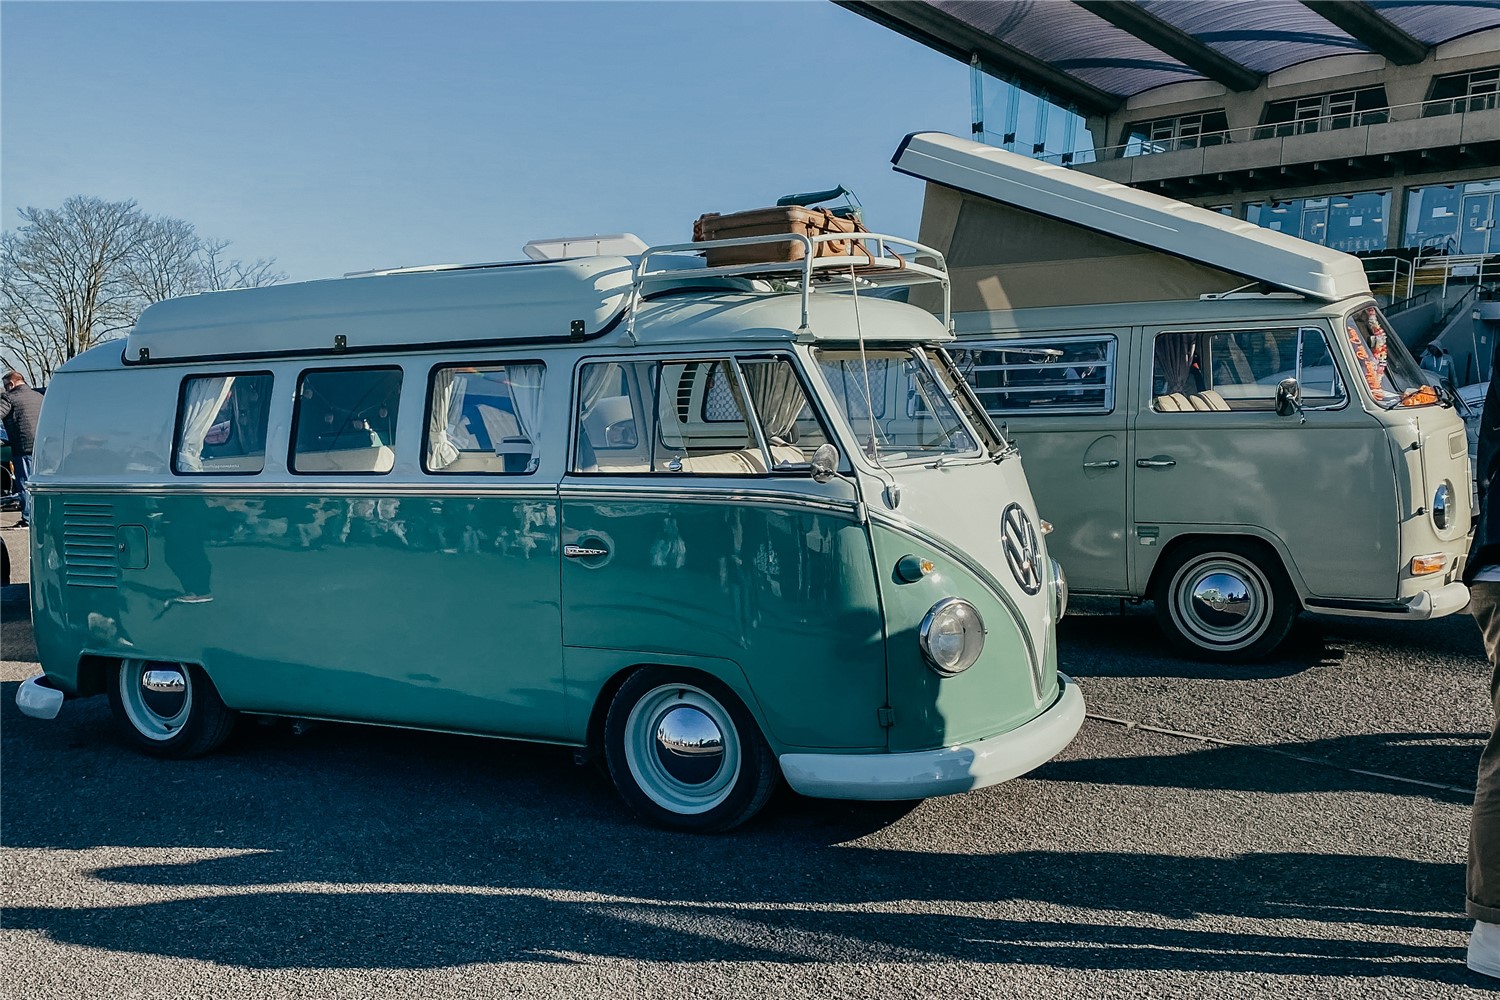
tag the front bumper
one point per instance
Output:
(943, 771)
(38, 698)
(1437, 603)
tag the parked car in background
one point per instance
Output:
(1471, 408)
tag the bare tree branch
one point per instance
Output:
(74, 276)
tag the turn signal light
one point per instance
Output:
(1427, 565)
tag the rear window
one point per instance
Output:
(221, 425)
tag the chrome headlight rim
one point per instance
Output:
(930, 622)
(1442, 506)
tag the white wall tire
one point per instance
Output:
(165, 721)
(684, 753)
(1224, 600)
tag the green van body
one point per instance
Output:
(447, 602)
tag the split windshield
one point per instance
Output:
(1386, 365)
(896, 405)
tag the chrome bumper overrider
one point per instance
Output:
(943, 771)
(38, 699)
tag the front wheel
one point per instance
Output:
(1224, 599)
(169, 709)
(685, 753)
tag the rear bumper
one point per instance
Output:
(943, 771)
(38, 698)
(1435, 603)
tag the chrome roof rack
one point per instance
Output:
(884, 261)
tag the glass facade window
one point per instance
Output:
(1004, 115)
(1348, 222)
(1164, 135)
(1476, 91)
(1458, 218)
(1322, 112)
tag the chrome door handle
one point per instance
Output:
(582, 552)
(1159, 462)
(1113, 463)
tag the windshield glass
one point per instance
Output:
(1387, 366)
(896, 406)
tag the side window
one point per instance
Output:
(1240, 369)
(485, 419)
(345, 421)
(221, 425)
(702, 417)
(1068, 375)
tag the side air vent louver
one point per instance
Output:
(90, 552)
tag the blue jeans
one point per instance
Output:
(22, 465)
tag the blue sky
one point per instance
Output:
(344, 136)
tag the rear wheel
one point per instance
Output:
(1224, 599)
(168, 709)
(685, 753)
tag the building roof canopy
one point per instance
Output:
(1095, 54)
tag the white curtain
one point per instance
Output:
(776, 395)
(205, 396)
(593, 382)
(447, 404)
(526, 396)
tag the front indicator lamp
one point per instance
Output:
(951, 636)
(912, 568)
(1429, 564)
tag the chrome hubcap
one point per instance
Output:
(156, 697)
(689, 746)
(682, 748)
(1221, 602)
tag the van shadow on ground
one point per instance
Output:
(366, 848)
(1101, 638)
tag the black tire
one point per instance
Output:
(692, 787)
(1244, 624)
(168, 724)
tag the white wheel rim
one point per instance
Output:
(683, 779)
(153, 715)
(1221, 602)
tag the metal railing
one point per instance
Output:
(857, 259)
(1275, 130)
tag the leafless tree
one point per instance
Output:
(74, 276)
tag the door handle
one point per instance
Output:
(1159, 462)
(1113, 463)
(583, 552)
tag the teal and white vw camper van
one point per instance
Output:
(1216, 416)
(723, 526)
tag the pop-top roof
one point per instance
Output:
(1095, 54)
(491, 303)
(1149, 220)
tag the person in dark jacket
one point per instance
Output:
(1482, 574)
(20, 406)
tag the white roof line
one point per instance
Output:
(1140, 217)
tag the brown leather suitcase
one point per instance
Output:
(775, 221)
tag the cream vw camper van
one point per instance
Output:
(1215, 416)
(723, 527)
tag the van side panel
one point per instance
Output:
(427, 611)
(786, 592)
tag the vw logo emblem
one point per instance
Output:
(1021, 549)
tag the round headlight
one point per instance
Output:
(952, 636)
(1442, 506)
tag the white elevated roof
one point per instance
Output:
(1103, 206)
(559, 301)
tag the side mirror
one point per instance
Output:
(825, 463)
(1288, 397)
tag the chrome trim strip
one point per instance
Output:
(570, 491)
(311, 488)
(897, 523)
(765, 498)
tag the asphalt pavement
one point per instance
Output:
(1303, 836)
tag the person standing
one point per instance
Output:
(20, 406)
(1482, 574)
